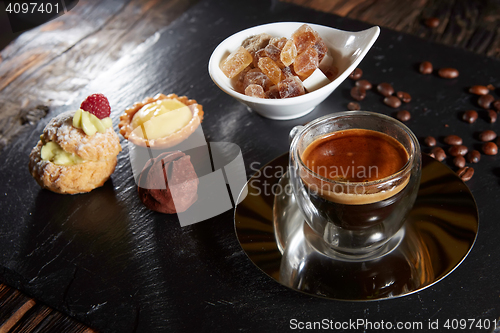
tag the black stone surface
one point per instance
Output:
(105, 259)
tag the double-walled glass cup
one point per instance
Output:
(354, 219)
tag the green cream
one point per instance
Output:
(52, 152)
(90, 123)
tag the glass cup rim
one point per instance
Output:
(401, 172)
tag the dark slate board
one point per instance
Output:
(105, 259)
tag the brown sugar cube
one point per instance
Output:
(288, 53)
(291, 87)
(331, 72)
(239, 82)
(254, 43)
(254, 90)
(257, 55)
(273, 92)
(288, 71)
(321, 48)
(304, 37)
(273, 52)
(236, 62)
(257, 77)
(306, 62)
(279, 42)
(271, 69)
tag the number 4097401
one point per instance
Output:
(32, 8)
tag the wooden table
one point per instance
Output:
(46, 67)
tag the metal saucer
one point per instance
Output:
(438, 234)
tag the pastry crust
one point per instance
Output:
(100, 146)
(98, 151)
(70, 179)
(166, 142)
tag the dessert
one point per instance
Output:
(283, 67)
(162, 121)
(168, 183)
(77, 150)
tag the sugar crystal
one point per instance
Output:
(321, 48)
(273, 92)
(236, 62)
(254, 90)
(306, 62)
(256, 42)
(331, 72)
(279, 42)
(259, 54)
(288, 53)
(255, 76)
(269, 67)
(291, 87)
(304, 37)
(274, 53)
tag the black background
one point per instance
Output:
(105, 259)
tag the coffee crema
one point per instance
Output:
(355, 157)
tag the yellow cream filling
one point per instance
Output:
(160, 119)
(52, 152)
(90, 123)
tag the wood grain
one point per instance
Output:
(473, 25)
(47, 66)
(19, 313)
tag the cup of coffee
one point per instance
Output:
(355, 176)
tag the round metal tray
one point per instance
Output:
(438, 234)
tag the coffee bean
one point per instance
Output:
(358, 93)
(453, 140)
(496, 105)
(458, 150)
(484, 101)
(470, 116)
(439, 153)
(353, 106)
(404, 96)
(356, 74)
(492, 116)
(385, 89)
(430, 141)
(425, 67)
(459, 161)
(490, 148)
(365, 84)
(479, 90)
(473, 156)
(448, 73)
(392, 101)
(432, 22)
(465, 173)
(490, 87)
(403, 115)
(487, 135)
(431, 155)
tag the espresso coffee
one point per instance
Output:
(357, 155)
(352, 161)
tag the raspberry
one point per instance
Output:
(98, 105)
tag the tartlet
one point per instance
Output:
(97, 152)
(127, 129)
(77, 150)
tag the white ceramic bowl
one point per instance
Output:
(347, 48)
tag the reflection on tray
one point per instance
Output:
(438, 235)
